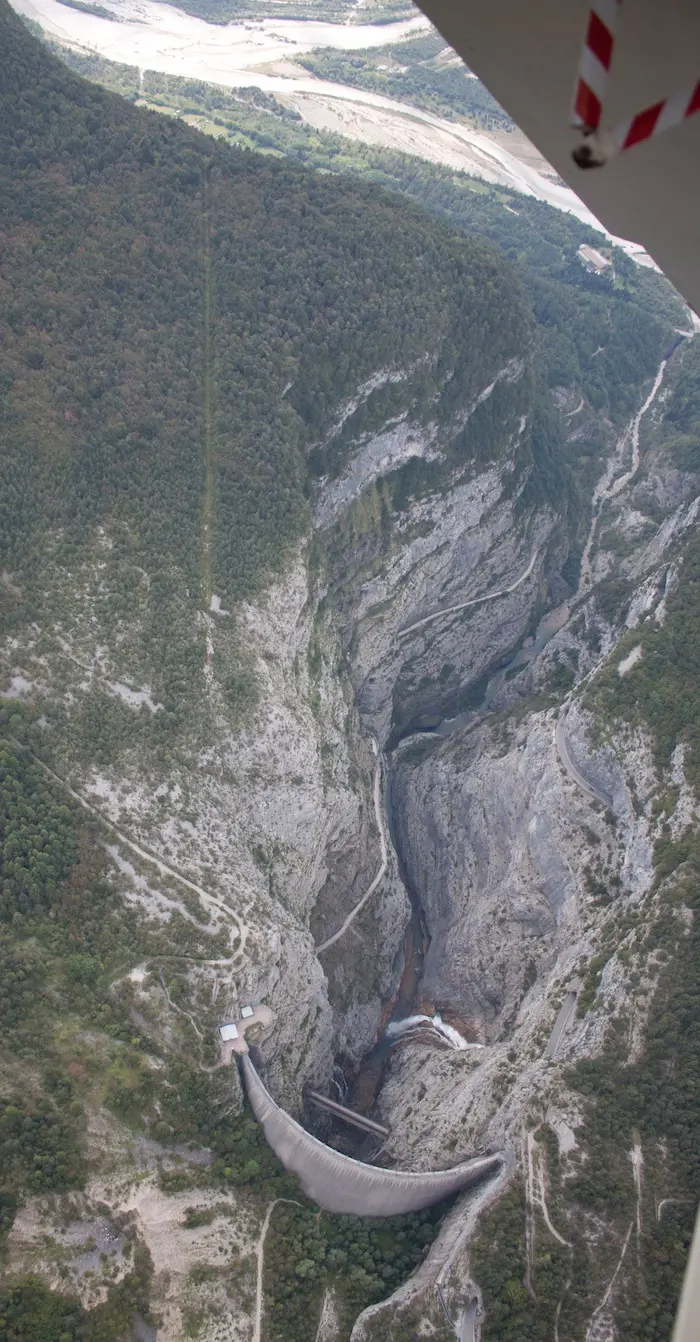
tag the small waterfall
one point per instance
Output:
(338, 1080)
(410, 1024)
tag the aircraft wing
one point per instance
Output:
(528, 56)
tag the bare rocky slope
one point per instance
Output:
(546, 832)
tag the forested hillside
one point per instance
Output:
(599, 333)
(181, 323)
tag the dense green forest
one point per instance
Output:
(631, 316)
(599, 336)
(418, 70)
(181, 323)
(365, 1259)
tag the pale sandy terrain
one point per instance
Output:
(146, 33)
(157, 37)
(408, 130)
(78, 1241)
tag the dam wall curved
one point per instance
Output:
(337, 1183)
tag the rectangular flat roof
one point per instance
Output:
(590, 254)
(247, 1012)
(228, 1031)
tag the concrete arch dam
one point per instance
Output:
(337, 1183)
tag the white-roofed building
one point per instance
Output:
(228, 1031)
(592, 259)
(247, 1012)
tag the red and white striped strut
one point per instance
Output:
(594, 66)
(598, 145)
(658, 118)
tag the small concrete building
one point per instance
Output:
(228, 1032)
(247, 1012)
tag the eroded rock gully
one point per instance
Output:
(465, 619)
(496, 837)
(446, 964)
(442, 663)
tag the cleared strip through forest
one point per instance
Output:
(207, 403)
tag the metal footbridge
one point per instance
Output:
(347, 1115)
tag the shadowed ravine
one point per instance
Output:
(334, 1180)
(367, 1081)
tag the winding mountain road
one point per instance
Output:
(466, 1326)
(165, 870)
(572, 769)
(326, 945)
(561, 1023)
(593, 1334)
(609, 485)
(260, 1262)
(473, 601)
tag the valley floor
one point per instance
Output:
(261, 54)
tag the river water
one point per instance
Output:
(159, 37)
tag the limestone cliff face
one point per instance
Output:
(499, 842)
(264, 800)
(447, 545)
(471, 549)
(528, 832)
(481, 824)
(468, 545)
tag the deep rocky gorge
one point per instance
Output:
(496, 840)
(525, 866)
(498, 843)
(412, 697)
